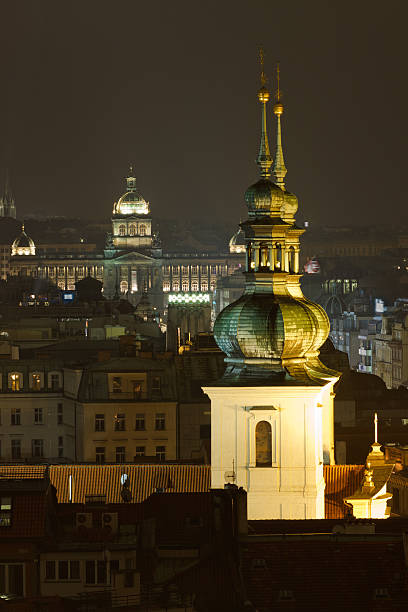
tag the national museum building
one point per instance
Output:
(132, 261)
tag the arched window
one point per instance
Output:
(213, 285)
(142, 230)
(15, 381)
(204, 285)
(132, 230)
(122, 230)
(278, 256)
(194, 285)
(123, 286)
(263, 443)
(184, 285)
(176, 286)
(263, 255)
(166, 286)
(291, 259)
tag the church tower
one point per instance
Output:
(7, 202)
(272, 412)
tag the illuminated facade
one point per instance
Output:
(272, 412)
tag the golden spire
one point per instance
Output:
(264, 159)
(279, 168)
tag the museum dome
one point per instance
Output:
(131, 202)
(237, 242)
(23, 244)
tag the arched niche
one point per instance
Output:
(263, 444)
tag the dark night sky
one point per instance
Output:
(87, 87)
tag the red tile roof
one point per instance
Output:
(341, 481)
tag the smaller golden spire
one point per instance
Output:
(278, 107)
(279, 168)
(264, 159)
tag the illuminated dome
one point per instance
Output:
(271, 326)
(264, 198)
(131, 202)
(237, 242)
(23, 245)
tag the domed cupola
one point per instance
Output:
(237, 242)
(131, 202)
(272, 327)
(23, 244)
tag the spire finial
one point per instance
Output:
(264, 160)
(375, 427)
(279, 168)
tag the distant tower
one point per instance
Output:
(272, 412)
(131, 222)
(7, 203)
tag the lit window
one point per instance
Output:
(194, 286)
(142, 230)
(175, 269)
(194, 269)
(35, 381)
(204, 286)
(166, 286)
(124, 285)
(117, 384)
(5, 511)
(15, 381)
(122, 230)
(176, 286)
(184, 285)
(137, 389)
(132, 230)
(120, 422)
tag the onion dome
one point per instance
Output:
(23, 244)
(237, 242)
(271, 326)
(131, 202)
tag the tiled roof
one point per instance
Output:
(341, 481)
(23, 471)
(143, 480)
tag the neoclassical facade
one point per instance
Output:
(132, 261)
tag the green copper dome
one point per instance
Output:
(264, 197)
(269, 326)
